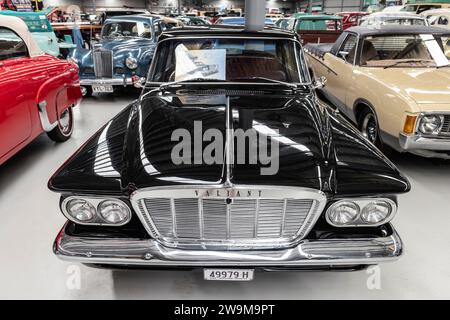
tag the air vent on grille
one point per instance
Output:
(271, 222)
(446, 126)
(103, 63)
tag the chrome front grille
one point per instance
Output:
(446, 126)
(182, 220)
(103, 63)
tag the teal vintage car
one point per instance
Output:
(41, 31)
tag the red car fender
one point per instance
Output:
(57, 93)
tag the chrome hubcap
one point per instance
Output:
(369, 128)
(64, 121)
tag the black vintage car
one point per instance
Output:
(274, 179)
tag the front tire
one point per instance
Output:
(368, 125)
(64, 129)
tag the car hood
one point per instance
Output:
(291, 126)
(423, 85)
(316, 150)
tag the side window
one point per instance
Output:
(443, 21)
(146, 32)
(11, 45)
(348, 48)
(158, 30)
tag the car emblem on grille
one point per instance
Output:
(228, 193)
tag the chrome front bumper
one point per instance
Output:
(106, 81)
(148, 252)
(425, 146)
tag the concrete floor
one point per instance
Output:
(30, 219)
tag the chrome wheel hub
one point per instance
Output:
(64, 121)
(369, 128)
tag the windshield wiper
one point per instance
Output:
(286, 84)
(406, 61)
(165, 86)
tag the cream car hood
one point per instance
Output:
(423, 85)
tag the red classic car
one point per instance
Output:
(351, 19)
(37, 91)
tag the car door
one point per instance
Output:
(15, 117)
(340, 70)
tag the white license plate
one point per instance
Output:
(228, 274)
(102, 89)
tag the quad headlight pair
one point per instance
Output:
(96, 211)
(361, 212)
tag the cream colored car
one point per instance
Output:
(393, 82)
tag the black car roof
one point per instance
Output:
(397, 29)
(223, 30)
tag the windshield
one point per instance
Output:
(404, 50)
(236, 60)
(126, 29)
(319, 24)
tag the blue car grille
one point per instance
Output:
(103, 63)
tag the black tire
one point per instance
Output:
(64, 129)
(368, 125)
(88, 92)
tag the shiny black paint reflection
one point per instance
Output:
(318, 149)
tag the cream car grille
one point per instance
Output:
(103, 63)
(228, 221)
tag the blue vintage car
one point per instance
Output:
(123, 55)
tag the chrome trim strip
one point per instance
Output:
(229, 142)
(103, 81)
(43, 116)
(149, 252)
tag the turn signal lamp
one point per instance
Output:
(410, 124)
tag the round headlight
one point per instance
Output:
(376, 212)
(131, 63)
(114, 212)
(431, 124)
(80, 210)
(342, 213)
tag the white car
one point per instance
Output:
(438, 17)
(393, 18)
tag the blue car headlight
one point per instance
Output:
(131, 63)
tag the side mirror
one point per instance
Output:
(343, 54)
(320, 83)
